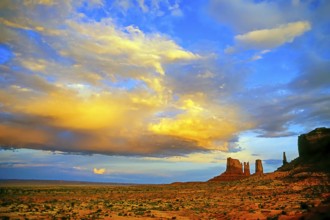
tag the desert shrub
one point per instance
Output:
(139, 213)
(303, 205)
(141, 209)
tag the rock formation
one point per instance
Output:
(234, 166)
(259, 168)
(246, 169)
(234, 171)
(284, 159)
(316, 142)
(314, 152)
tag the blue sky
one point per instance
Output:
(157, 91)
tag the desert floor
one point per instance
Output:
(271, 196)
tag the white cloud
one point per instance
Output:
(266, 39)
(150, 7)
(259, 55)
(143, 6)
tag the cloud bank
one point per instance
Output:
(79, 85)
(74, 82)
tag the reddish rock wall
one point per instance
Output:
(246, 169)
(259, 168)
(234, 166)
(316, 142)
(234, 171)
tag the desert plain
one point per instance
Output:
(278, 195)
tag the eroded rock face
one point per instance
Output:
(246, 169)
(234, 166)
(314, 153)
(259, 168)
(234, 171)
(316, 142)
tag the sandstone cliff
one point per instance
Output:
(234, 171)
(316, 142)
(314, 152)
(234, 166)
(259, 168)
(246, 169)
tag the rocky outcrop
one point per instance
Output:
(234, 171)
(259, 168)
(234, 166)
(284, 159)
(246, 169)
(314, 153)
(316, 142)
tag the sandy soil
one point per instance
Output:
(272, 196)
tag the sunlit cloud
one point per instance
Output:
(86, 85)
(98, 87)
(207, 126)
(100, 171)
(153, 90)
(266, 39)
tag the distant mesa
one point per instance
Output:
(236, 170)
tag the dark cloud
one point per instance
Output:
(72, 143)
(275, 113)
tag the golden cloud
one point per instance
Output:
(100, 171)
(105, 91)
(204, 123)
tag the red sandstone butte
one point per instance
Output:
(246, 169)
(234, 171)
(259, 168)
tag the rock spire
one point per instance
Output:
(259, 168)
(284, 159)
(246, 169)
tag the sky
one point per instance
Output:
(158, 91)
